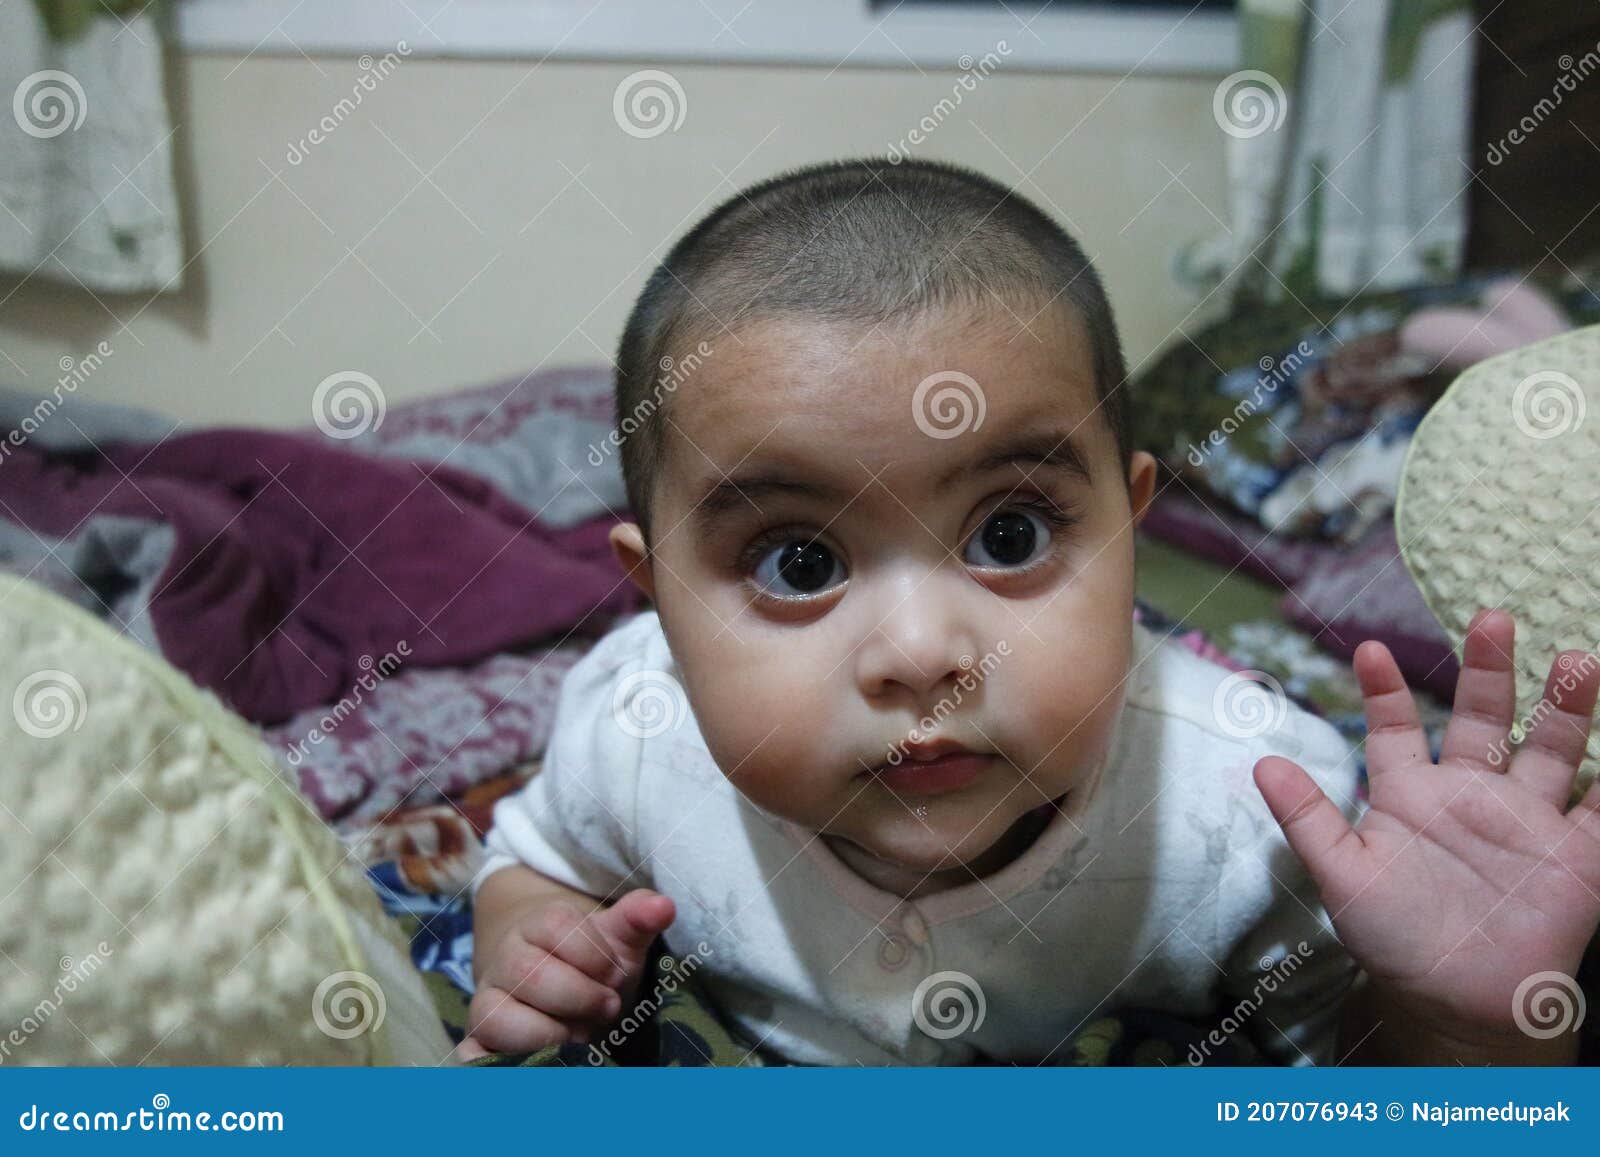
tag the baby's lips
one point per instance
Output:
(903, 751)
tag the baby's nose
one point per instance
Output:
(921, 643)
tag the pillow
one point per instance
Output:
(167, 899)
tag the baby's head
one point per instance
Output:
(875, 438)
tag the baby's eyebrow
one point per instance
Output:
(731, 493)
(1053, 450)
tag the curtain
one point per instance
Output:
(1347, 135)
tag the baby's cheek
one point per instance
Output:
(774, 773)
(762, 732)
(1065, 705)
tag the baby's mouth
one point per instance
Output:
(932, 769)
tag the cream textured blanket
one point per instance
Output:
(1498, 508)
(165, 898)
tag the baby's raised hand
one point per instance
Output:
(559, 974)
(1467, 876)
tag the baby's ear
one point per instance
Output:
(627, 543)
(1141, 483)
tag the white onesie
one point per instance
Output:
(1169, 887)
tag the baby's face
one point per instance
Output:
(844, 567)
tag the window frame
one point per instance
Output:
(830, 33)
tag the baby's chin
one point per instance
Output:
(967, 844)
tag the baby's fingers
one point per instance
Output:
(503, 1024)
(1486, 695)
(570, 932)
(1395, 738)
(1316, 830)
(553, 986)
(1548, 757)
(633, 922)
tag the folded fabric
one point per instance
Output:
(1346, 491)
(1179, 517)
(1509, 314)
(421, 735)
(542, 439)
(1367, 593)
(421, 861)
(93, 423)
(1340, 595)
(295, 565)
(109, 566)
(1271, 409)
(437, 847)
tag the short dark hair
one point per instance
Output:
(867, 241)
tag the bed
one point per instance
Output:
(402, 718)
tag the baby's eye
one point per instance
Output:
(1008, 538)
(797, 568)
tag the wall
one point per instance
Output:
(474, 220)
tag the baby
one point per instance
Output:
(890, 758)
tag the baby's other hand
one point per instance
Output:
(1471, 875)
(558, 974)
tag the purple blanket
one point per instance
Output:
(1338, 595)
(296, 564)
